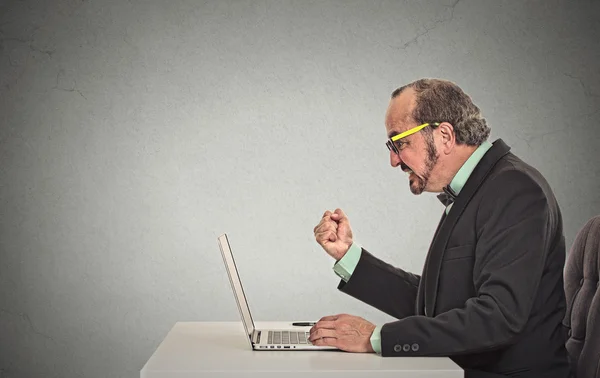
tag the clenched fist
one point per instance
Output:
(334, 234)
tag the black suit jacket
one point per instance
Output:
(491, 293)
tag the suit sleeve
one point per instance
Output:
(378, 284)
(513, 226)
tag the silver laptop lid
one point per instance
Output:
(236, 285)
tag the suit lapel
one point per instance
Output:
(420, 292)
(433, 264)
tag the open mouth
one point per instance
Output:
(406, 169)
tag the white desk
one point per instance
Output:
(220, 349)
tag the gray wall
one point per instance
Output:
(132, 134)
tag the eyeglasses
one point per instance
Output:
(395, 144)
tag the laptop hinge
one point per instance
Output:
(256, 337)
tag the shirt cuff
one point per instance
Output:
(346, 265)
(376, 339)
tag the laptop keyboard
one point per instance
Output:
(288, 337)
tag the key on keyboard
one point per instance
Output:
(288, 337)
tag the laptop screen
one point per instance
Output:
(236, 285)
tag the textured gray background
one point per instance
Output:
(133, 133)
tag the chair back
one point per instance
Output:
(582, 292)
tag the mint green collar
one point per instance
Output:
(467, 168)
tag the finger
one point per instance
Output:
(325, 324)
(340, 215)
(327, 341)
(327, 214)
(326, 236)
(329, 318)
(323, 226)
(326, 228)
(318, 227)
(323, 333)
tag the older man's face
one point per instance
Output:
(417, 156)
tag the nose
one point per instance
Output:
(395, 159)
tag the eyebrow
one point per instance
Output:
(392, 133)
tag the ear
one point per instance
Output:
(448, 138)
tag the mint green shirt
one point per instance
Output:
(346, 265)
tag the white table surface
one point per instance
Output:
(220, 349)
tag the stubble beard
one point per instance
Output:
(419, 183)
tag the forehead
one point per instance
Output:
(398, 116)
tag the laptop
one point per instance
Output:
(262, 339)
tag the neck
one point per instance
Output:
(452, 165)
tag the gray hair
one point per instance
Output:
(443, 101)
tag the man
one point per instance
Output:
(491, 292)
